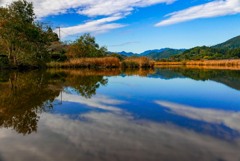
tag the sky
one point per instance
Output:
(139, 25)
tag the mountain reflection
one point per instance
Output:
(230, 78)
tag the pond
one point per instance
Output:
(166, 114)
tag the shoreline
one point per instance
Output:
(114, 63)
(202, 64)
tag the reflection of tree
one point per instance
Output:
(86, 85)
(22, 97)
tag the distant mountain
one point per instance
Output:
(145, 53)
(163, 53)
(233, 43)
(127, 53)
(156, 53)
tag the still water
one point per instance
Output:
(85, 115)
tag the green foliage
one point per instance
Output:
(22, 40)
(85, 46)
(207, 53)
(233, 43)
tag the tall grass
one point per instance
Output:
(159, 63)
(106, 62)
(235, 63)
(137, 62)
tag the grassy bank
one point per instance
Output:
(105, 62)
(213, 64)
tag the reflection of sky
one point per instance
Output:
(138, 96)
(184, 91)
(111, 137)
(136, 118)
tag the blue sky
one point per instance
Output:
(139, 25)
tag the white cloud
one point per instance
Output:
(45, 8)
(100, 102)
(95, 26)
(230, 119)
(123, 7)
(113, 9)
(208, 10)
(110, 137)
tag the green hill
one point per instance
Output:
(227, 50)
(233, 43)
(165, 53)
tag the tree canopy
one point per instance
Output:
(85, 46)
(23, 40)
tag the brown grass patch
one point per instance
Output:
(205, 64)
(138, 62)
(106, 62)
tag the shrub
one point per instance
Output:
(138, 62)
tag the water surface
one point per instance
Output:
(111, 115)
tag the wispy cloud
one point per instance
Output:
(45, 8)
(208, 10)
(112, 10)
(95, 26)
(123, 7)
(100, 102)
(125, 43)
(230, 119)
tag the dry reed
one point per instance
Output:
(214, 64)
(138, 62)
(106, 62)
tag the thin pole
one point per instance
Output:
(59, 32)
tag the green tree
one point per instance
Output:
(85, 46)
(23, 40)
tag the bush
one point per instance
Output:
(138, 62)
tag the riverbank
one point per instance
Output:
(104, 62)
(203, 64)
